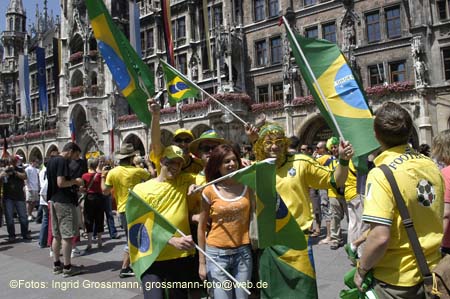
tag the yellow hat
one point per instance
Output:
(183, 131)
(172, 152)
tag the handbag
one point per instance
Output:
(84, 195)
(436, 282)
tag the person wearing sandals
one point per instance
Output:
(227, 203)
(93, 204)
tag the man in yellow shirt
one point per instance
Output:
(181, 138)
(387, 251)
(294, 176)
(122, 178)
(167, 195)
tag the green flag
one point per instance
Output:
(289, 273)
(178, 86)
(132, 76)
(342, 92)
(148, 233)
(275, 223)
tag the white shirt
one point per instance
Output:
(32, 178)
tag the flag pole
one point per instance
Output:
(202, 90)
(238, 284)
(322, 95)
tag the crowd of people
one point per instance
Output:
(318, 185)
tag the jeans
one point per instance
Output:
(21, 209)
(109, 216)
(43, 234)
(237, 261)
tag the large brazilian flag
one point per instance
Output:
(178, 86)
(276, 226)
(341, 90)
(133, 77)
(148, 233)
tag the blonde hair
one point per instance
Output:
(440, 149)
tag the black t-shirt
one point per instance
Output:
(13, 189)
(58, 166)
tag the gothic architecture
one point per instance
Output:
(236, 51)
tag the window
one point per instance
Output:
(273, 8)
(260, 10)
(181, 28)
(261, 53)
(397, 71)
(373, 27)
(312, 32)
(309, 2)
(329, 32)
(150, 41)
(443, 9)
(277, 92)
(263, 94)
(275, 50)
(446, 56)
(218, 19)
(376, 74)
(393, 24)
(182, 63)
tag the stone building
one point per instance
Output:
(400, 50)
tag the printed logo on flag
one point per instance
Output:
(282, 215)
(342, 91)
(139, 232)
(177, 87)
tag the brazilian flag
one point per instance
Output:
(148, 233)
(132, 76)
(276, 226)
(178, 86)
(289, 273)
(342, 92)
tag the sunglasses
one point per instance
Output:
(303, 149)
(183, 140)
(206, 148)
(277, 142)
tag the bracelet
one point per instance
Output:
(343, 162)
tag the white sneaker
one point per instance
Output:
(76, 252)
(51, 252)
(30, 218)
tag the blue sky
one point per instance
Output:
(30, 8)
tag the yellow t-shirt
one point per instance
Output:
(294, 178)
(414, 174)
(194, 165)
(332, 192)
(195, 200)
(350, 184)
(122, 178)
(230, 218)
(169, 199)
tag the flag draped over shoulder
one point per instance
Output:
(148, 233)
(178, 86)
(289, 273)
(24, 85)
(132, 76)
(275, 223)
(42, 80)
(341, 90)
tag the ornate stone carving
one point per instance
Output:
(420, 68)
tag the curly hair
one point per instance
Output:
(268, 128)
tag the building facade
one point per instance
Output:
(400, 50)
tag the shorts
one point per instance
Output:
(32, 196)
(64, 220)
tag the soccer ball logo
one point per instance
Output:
(425, 193)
